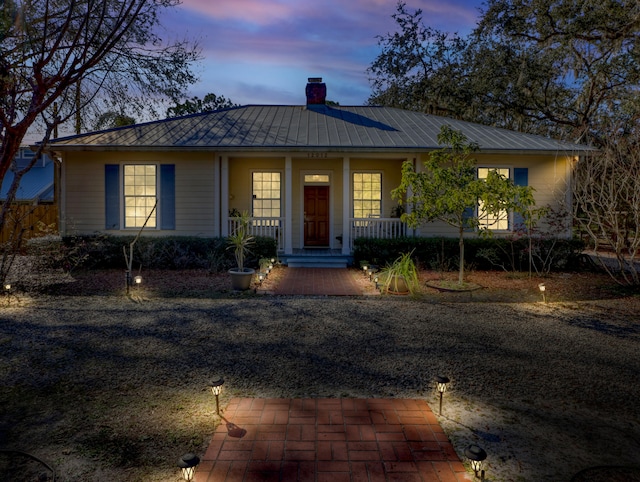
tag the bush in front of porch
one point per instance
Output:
(170, 252)
(442, 254)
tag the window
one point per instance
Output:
(266, 195)
(139, 195)
(499, 221)
(367, 194)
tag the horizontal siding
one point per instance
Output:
(84, 191)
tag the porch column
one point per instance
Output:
(288, 206)
(224, 196)
(346, 206)
(217, 210)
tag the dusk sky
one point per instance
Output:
(263, 51)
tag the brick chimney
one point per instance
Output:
(316, 91)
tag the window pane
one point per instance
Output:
(367, 194)
(266, 194)
(140, 191)
(499, 221)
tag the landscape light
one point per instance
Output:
(7, 287)
(216, 388)
(376, 280)
(260, 278)
(441, 386)
(188, 464)
(138, 279)
(542, 289)
(476, 456)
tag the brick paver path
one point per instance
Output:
(318, 281)
(329, 440)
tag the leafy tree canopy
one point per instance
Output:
(552, 67)
(448, 189)
(195, 105)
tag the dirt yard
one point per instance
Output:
(108, 387)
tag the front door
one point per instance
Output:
(316, 216)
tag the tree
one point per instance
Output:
(113, 119)
(553, 67)
(420, 68)
(607, 207)
(570, 64)
(195, 105)
(60, 57)
(449, 190)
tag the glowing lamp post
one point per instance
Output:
(476, 456)
(216, 388)
(441, 386)
(543, 289)
(188, 464)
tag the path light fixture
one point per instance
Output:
(441, 386)
(261, 277)
(543, 289)
(7, 290)
(365, 268)
(188, 464)
(216, 388)
(476, 456)
(138, 279)
(376, 280)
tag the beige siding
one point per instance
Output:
(84, 191)
(196, 194)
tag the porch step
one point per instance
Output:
(294, 261)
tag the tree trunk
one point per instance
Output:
(461, 244)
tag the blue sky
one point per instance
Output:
(263, 51)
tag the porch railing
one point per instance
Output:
(267, 227)
(381, 228)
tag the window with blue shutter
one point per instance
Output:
(139, 195)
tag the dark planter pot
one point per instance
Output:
(398, 286)
(241, 279)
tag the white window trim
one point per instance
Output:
(352, 188)
(279, 171)
(123, 208)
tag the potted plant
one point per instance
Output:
(240, 241)
(401, 276)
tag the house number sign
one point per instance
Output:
(317, 155)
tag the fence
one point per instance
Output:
(27, 217)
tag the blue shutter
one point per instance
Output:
(520, 178)
(168, 196)
(112, 196)
(468, 214)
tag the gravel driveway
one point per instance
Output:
(547, 389)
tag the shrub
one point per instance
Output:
(170, 252)
(441, 254)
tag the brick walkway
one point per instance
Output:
(318, 281)
(329, 440)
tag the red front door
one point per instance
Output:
(316, 216)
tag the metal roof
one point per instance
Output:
(36, 184)
(266, 127)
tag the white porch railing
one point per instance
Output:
(382, 228)
(267, 227)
